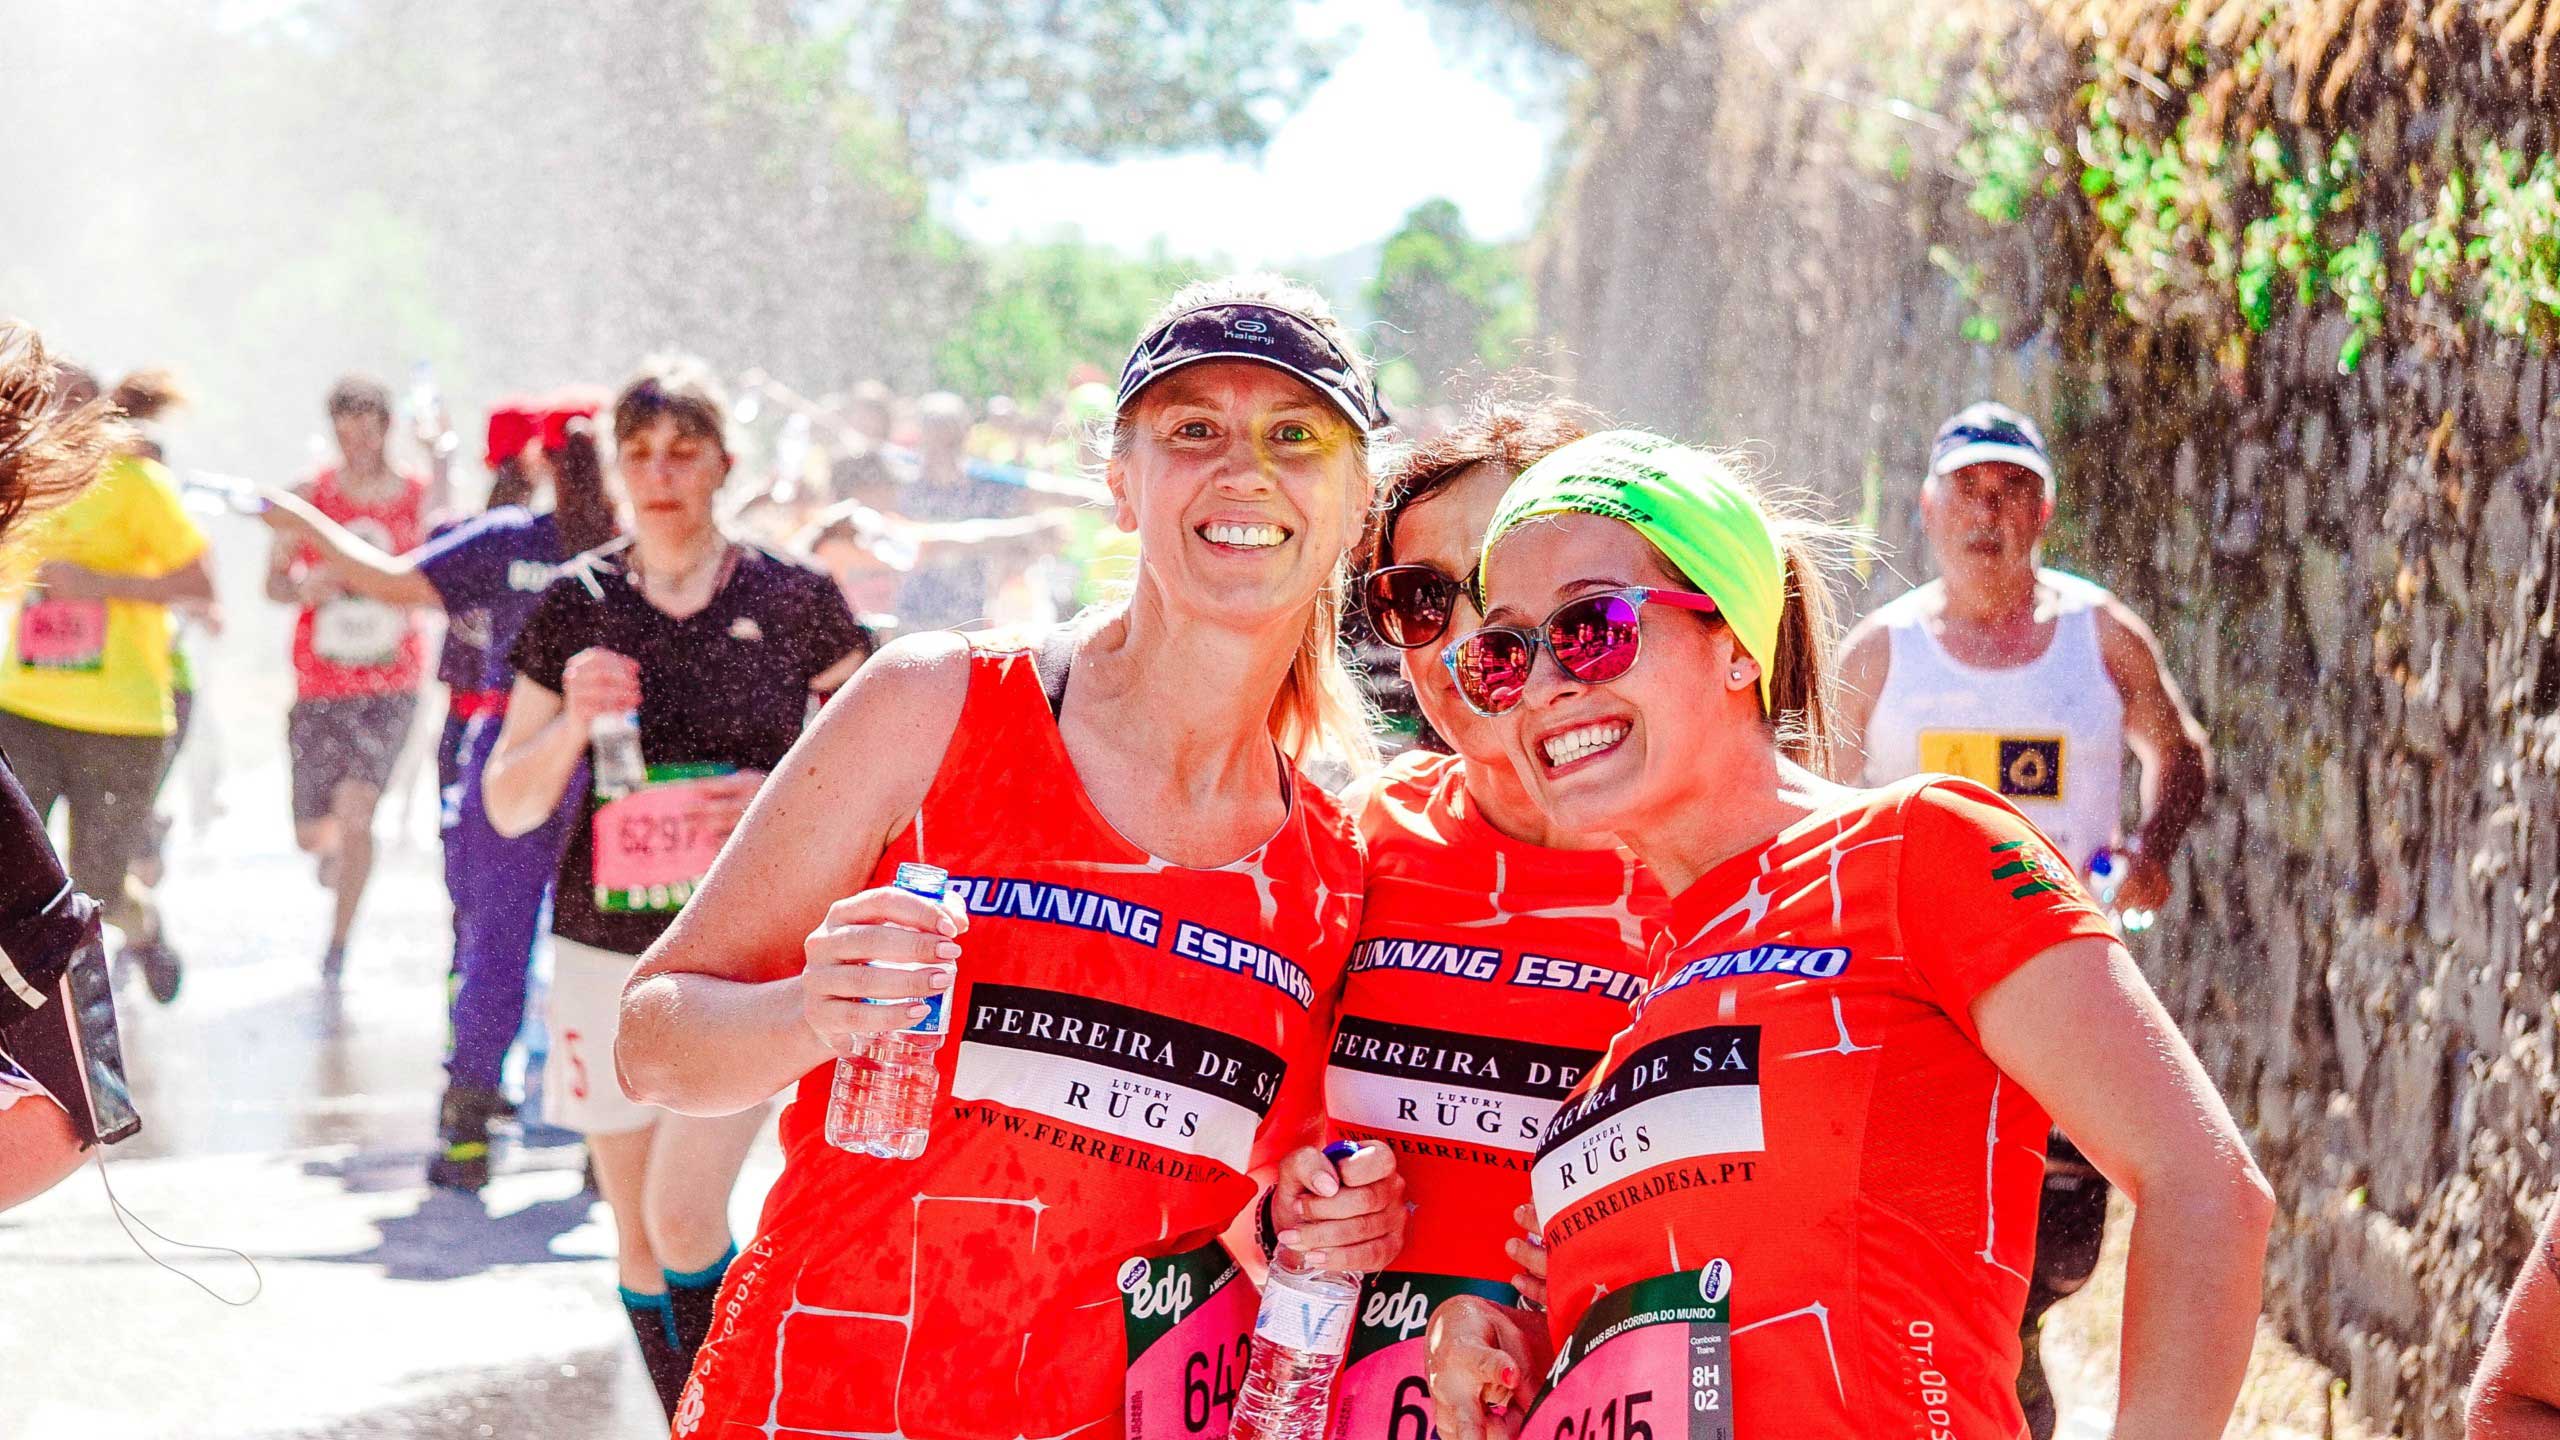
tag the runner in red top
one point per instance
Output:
(356, 661)
(1820, 988)
(346, 647)
(1797, 1197)
(1156, 910)
(1497, 954)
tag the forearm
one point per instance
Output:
(525, 781)
(2173, 798)
(173, 588)
(702, 1045)
(2192, 1290)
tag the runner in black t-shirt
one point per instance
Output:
(718, 646)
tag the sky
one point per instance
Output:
(1417, 117)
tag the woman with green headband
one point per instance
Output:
(1797, 1196)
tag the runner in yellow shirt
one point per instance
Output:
(86, 689)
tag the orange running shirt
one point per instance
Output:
(1488, 976)
(1130, 1039)
(1802, 1127)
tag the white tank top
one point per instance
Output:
(2047, 735)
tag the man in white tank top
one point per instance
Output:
(2034, 683)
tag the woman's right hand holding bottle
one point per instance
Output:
(881, 945)
(597, 681)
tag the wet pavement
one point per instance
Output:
(294, 1126)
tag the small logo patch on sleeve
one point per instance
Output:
(2018, 861)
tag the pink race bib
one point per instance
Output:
(1189, 1320)
(1651, 1362)
(654, 845)
(1383, 1393)
(63, 635)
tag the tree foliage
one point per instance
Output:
(979, 80)
(524, 194)
(1043, 307)
(1458, 301)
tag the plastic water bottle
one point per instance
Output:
(2107, 870)
(882, 1103)
(619, 768)
(1299, 1338)
(426, 408)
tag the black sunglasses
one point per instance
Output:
(1410, 605)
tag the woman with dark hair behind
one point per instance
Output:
(493, 569)
(54, 1001)
(1491, 941)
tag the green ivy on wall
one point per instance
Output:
(2184, 220)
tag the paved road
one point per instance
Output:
(296, 1129)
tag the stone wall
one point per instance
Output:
(2356, 575)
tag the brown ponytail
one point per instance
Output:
(1803, 675)
(579, 504)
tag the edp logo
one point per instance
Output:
(1168, 1295)
(1403, 1312)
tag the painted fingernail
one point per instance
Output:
(1498, 1409)
(946, 951)
(1510, 1376)
(1341, 1150)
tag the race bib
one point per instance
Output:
(654, 845)
(63, 635)
(1189, 1320)
(1651, 1362)
(2017, 767)
(360, 634)
(1383, 1394)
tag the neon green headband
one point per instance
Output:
(1686, 502)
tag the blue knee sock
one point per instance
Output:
(653, 1324)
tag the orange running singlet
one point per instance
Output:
(1131, 1039)
(1487, 978)
(1797, 1198)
